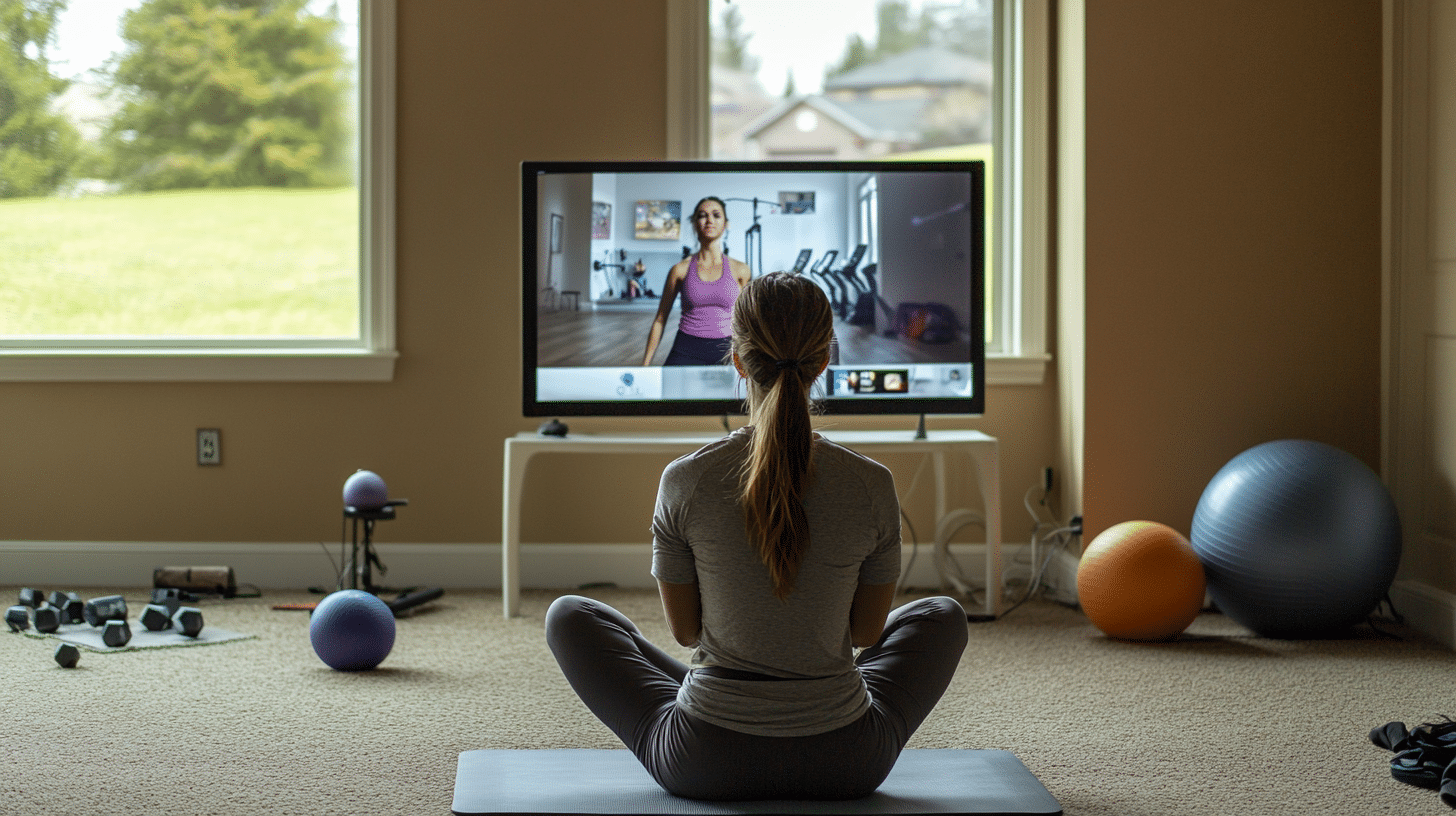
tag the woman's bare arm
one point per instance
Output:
(684, 610)
(664, 308)
(868, 613)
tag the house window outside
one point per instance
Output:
(915, 79)
(196, 178)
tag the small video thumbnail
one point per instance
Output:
(867, 381)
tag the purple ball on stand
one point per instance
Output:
(365, 491)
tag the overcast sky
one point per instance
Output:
(803, 35)
(86, 34)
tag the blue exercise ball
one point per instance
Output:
(1298, 539)
(365, 490)
(351, 630)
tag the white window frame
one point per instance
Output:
(869, 211)
(370, 357)
(1024, 51)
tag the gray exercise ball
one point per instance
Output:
(1298, 539)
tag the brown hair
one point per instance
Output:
(782, 325)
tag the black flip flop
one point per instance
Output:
(1414, 766)
(1448, 785)
(1422, 754)
(1391, 736)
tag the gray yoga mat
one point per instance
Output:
(604, 782)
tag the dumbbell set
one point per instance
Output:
(107, 613)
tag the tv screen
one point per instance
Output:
(898, 247)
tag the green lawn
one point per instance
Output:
(232, 263)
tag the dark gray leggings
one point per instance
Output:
(631, 686)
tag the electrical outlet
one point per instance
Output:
(209, 446)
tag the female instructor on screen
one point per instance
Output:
(776, 554)
(709, 281)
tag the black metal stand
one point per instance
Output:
(753, 236)
(363, 560)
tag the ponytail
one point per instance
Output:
(782, 325)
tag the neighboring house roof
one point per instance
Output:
(930, 65)
(897, 119)
(890, 119)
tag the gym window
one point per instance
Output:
(224, 293)
(1015, 138)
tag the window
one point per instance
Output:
(710, 115)
(869, 216)
(174, 227)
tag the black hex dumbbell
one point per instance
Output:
(116, 633)
(187, 620)
(47, 618)
(156, 617)
(70, 605)
(171, 597)
(18, 618)
(31, 597)
(98, 611)
(68, 656)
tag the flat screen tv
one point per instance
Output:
(898, 247)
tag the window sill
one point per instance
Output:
(1024, 370)
(297, 365)
(197, 365)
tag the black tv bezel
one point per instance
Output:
(975, 405)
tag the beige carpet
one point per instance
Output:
(1221, 722)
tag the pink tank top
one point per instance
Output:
(708, 307)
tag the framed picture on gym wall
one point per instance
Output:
(601, 220)
(658, 220)
(796, 203)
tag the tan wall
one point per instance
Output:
(1232, 239)
(482, 86)
(1232, 290)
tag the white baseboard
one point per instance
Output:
(1428, 610)
(75, 564)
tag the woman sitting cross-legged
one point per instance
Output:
(776, 554)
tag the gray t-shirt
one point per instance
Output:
(699, 536)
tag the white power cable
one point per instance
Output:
(914, 538)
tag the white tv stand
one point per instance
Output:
(981, 448)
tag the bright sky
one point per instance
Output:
(87, 32)
(802, 35)
(805, 35)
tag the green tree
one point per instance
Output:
(37, 146)
(964, 28)
(897, 32)
(730, 43)
(230, 93)
(857, 52)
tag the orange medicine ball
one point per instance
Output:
(1140, 580)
